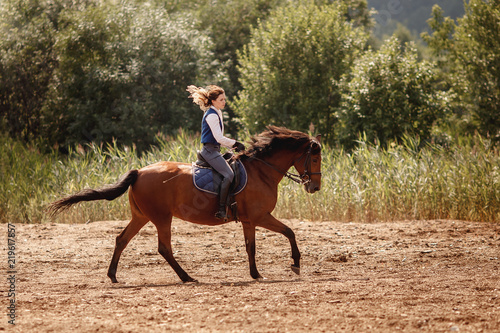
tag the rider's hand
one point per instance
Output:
(238, 146)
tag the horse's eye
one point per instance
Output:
(315, 160)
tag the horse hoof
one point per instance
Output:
(295, 269)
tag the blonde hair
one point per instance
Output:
(204, 97)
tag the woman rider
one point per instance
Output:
(212, 100)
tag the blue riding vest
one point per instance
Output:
(206, 132)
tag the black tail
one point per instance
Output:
(109, 192)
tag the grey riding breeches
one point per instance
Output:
(211, 153)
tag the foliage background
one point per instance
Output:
(73, 72)
(291, 68)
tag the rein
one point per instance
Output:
(304, 178)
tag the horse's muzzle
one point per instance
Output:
(312, 187)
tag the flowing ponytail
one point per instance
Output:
(204, 97)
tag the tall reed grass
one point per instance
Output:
(402, 182)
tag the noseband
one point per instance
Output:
(305, 177)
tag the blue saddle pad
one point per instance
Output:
(203, 179)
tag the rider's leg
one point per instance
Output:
(211, 154)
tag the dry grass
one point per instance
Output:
(370, 184)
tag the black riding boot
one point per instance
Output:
(224, 192)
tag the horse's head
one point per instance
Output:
(309, 165)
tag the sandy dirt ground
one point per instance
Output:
(413, 276)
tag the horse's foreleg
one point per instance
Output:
(249, 232)
(271, 223)
(121, 243)
(165, 248)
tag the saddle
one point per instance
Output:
(206, 179)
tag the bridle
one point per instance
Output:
(305, 177)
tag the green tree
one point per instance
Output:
(450, 77)
(440, 41)
(476, 46)
(27, 61)
(78, 70)
(389, 94)
(122, 75)
(358, 13)
(228, 23)
(291, 67)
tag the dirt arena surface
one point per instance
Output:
(414, 276)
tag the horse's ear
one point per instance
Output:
(316, 144)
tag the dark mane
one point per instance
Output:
(274, 139)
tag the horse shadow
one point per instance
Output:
(208, 284)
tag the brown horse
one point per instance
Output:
(163, 190)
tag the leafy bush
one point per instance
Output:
(27, 61)
(122, 75)
(477, 49)
(291, 67)
(389, 94)
(81, 71)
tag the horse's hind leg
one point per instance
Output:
(271, 223)
(122, 241)
(165, 247)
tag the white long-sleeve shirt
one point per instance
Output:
(218, 133)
